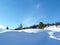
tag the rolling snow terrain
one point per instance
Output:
(47, 36)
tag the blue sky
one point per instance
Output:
(28, 12)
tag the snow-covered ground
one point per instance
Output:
(53, 28)
(47, 36)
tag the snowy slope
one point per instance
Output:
(45, 36)
(53, 28)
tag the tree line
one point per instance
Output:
(41, 25)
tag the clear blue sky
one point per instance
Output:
(28, 12)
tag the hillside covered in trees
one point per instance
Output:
(41, 25)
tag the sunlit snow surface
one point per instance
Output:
(47, 36)
(55, 32)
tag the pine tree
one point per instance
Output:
(41, 25)
(6, 27)
(21, 26)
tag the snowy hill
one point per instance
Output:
(47, 36)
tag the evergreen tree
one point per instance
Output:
(41, 25)
(21, 26)
(7, 28)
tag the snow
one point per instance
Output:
(25, 30)
(53, 29)
(54, 37)
(47, 36)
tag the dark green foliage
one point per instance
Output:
(41, 25)
(20, 26)
(34, 26)
(7, 28)
(58, 23)
(48, 25)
